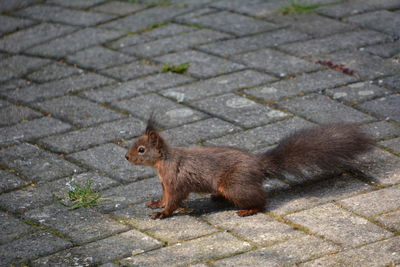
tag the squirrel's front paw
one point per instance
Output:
(154, 204)
(158, 215)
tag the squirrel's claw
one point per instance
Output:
(157, 215)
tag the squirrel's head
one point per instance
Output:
(149, 148)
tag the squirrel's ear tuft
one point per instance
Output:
(152, 125)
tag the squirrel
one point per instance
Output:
(236, 175)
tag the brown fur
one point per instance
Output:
(235, 175)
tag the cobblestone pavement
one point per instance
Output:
(79, 78)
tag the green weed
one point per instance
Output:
(81, 196)
(175, 68)
(295, 7)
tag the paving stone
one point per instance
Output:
(392, 144)
(124, 196)
(56, 88)
(305, 197)
(99, 58)
(146, 18)
(81, 225)
(381, 130)
(339, 225)
(14, 84)
(232, 23)
(253, 8)
(356, 7)
(381, 20)
(4, 104)
(170, 113)
(381, 167)
(131, 71)
(105, 250)
(20, 250)
(387, 107)
(162, 31)
(35, 196)
(260, 137)
(365, 65)
(110, 159)
(203, 248)
(11, 5)
(172, 230)
(259, 229)
(175, 43)
(23, 39)
(322, 109)
(244, 44)
(136, 87)
(74, 42)
(197, 12)
(385, 50)
(382, 253)
(335, 42)
(239, 110)
(78, 111)
(198, 131)
(357, 92)
(17, 66)
(10, 181)
(88, 137)
(16, 114)
(54, 71)
(301, 84)
(286, 253)
(12, 228)
(10, 24)
(201, 65)
(275, 62)
(36, 164)
(392, 82)
(218, 85)
(76, 3)
(374, 203)
(313, 24)
(64, 15)
(118, 8)
(30, 130)
(390, 220)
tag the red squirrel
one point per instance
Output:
(236, 175)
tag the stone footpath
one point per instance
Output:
(79, 78)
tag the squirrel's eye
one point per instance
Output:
(141, 149)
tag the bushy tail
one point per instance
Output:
(327, 148)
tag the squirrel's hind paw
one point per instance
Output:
(244, 213)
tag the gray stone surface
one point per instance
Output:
(118, 8)
(201, 65)
(63, 15)
(76, 3)
(10, 181)
(53, 71)
(14, 114)
(322, 109)
(215, 86)
(357, 92)
(392, 82)
(301, 84)
(80, 225)
(175, 43)
(239, 110)
(382, 20)
(108, 249)
(387, 107)
(353, 230)
(115, 131)
(286, 253)
(56, 88)
(232, 23)
(131, 71)
(385, 50)
(9, 6)
(381, 130)
(203, 248)
(78, 111)
(392, 144)
(383, 253)
(12, 228)
(275, 62)
(35, 163)
(18, 65)
(30, 130)
(390, 220)
(22, 40)
(239, 45)
(170, 113)
(10, 24)
(110, 159)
